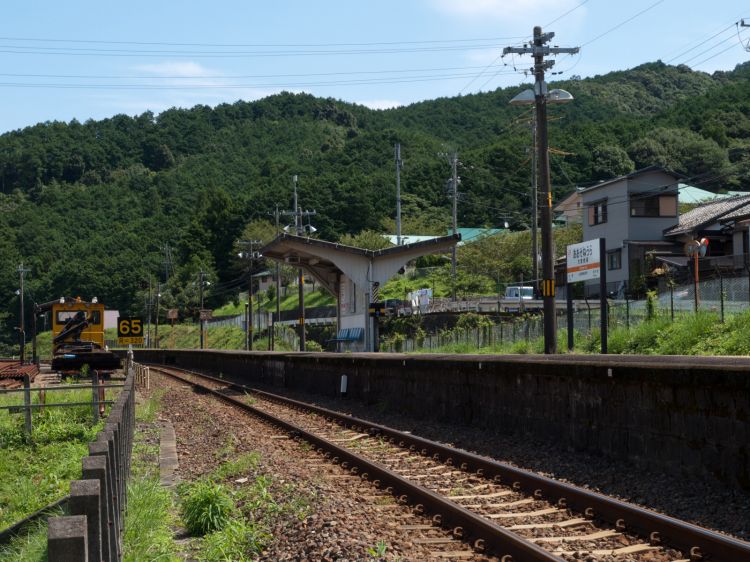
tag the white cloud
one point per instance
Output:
(380, 104)
(503, 10)
(181, 69)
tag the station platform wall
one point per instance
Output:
(676, 413)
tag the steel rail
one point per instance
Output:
(7, 534)
(660, 529)
(482, 533)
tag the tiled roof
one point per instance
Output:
(739, 212)
(707, 213)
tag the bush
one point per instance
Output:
(689, 332)
(206, 507)
(238, 541)
(472, 320)
(312, 345)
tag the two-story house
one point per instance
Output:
(631, 212)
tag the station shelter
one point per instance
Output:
(352, 275)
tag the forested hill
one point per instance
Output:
(88, 206)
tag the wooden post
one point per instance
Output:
(27, 406)
(95, 395)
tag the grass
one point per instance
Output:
(31, 544)
(151, 507)
(690, 334)
(36, 474)
(319, 297)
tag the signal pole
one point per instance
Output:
(539, 50)
(22, 326)
(398, 193)
(299, 228)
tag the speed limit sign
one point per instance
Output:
(129, 330)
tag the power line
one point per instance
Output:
(354, 82)
(255, 45)
(619, 25)
(236, 76)
(714, 55)
(558, 18)
(711, 48)
(98, 52)
(701, 43)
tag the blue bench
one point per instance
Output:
(348, 335)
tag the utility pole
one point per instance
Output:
(22, 326)
(156, 328)
(148, 312)
(299, 229)
(454, 193)
(398, 193)
(272, 336)
(534, 212)
(201, 276)
(251, 256)
(539, 49)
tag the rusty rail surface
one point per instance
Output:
(659, 529)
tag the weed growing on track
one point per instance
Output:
(206, 506)
(245, 463)
(238, 541)
(379, 550)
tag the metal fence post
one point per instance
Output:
(721, 296)
(671, 300)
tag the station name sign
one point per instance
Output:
(584, 261)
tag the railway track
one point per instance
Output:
(498, 509)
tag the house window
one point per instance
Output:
(597, 213)
(653, 206)
(614, 259)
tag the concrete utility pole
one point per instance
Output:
(148, 312)
(454, 193)
(249, 320)
(398, 193)
(539, 50)
(278, 287)
(156, 325)
(300, 230)
(22, 325)
(201, 276)
(534, 212)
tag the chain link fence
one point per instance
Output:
(720, 294)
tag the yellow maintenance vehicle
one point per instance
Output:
(78, 335)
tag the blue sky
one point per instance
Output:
(83, 59)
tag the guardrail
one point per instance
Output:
(93, 530)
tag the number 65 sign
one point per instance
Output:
(129, 330)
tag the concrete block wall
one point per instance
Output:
(681, 414)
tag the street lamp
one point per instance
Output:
(540, 97)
